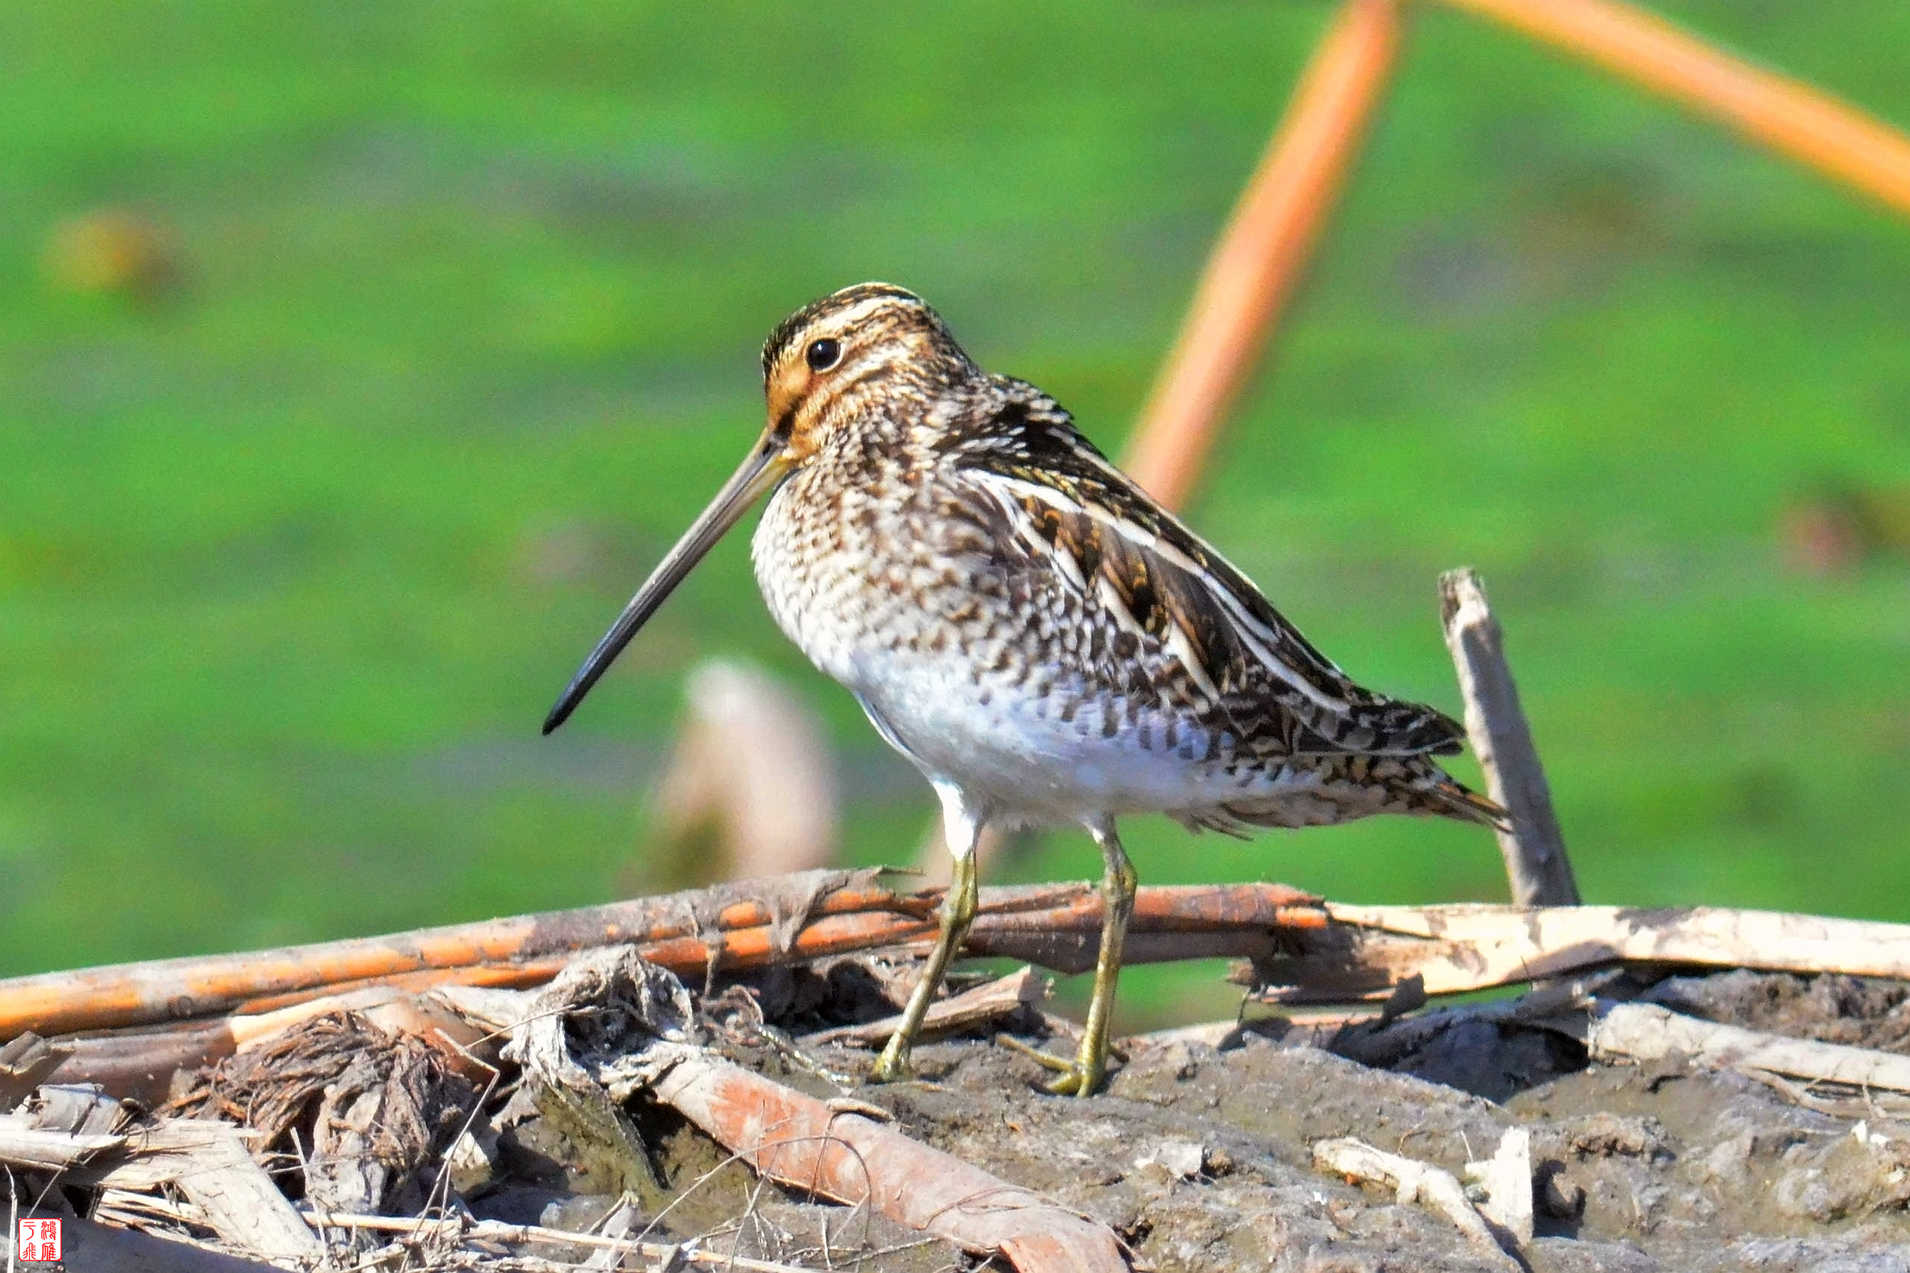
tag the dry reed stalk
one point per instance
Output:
(1256, 266)
(1786, 115)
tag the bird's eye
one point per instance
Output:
(823, 354)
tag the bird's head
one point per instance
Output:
(825, 363)
(821, 367)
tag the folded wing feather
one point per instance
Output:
(1065, 503)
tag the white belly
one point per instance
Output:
(1034, 760)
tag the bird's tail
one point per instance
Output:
(1446, 797)
(1353, 787)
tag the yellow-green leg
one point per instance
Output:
(957, 912)
(1082, 1076)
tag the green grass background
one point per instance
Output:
(292, 563)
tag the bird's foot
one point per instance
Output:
(893, 1065)
(1076, 1079)
(1080, 1075)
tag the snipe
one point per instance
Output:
(1042, 640)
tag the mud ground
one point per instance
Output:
(1200, 1156)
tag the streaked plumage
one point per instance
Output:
(1040, 638)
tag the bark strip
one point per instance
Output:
(804, 1143)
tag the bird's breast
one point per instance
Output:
(992, 677)
(863, 574)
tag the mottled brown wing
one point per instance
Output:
(1159, 580)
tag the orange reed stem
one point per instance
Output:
(1785, 114)
(1054, 924)
(1255, 267)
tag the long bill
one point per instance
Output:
(762, 469)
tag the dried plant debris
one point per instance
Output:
(581, 1042)
(350, 1140)
(367, 1115)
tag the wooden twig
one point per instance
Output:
(1647, 1032)
(1415, 1181)
(240, 1202)
(1256, 266)
(803, 1142)
(1533, 847)
(1791, 117)
(983, 1005)
(43, 1149)
(25, 1062)
(1059, 927)
(1367, 951)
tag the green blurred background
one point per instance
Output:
(452, 326)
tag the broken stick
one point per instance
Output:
(1533, 848)
(1367, 952)
(206, 1161)
(984, 1005)
(1415, 1181)
(1646, 1032)
(518, 951)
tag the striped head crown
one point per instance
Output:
(825, 358)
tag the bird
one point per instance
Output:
(1042, 640)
